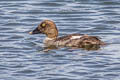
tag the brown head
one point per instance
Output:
(47, 27)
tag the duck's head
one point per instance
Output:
(47, 27)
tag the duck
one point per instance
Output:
(48, 27)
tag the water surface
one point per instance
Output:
(22, 55)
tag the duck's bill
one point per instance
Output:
(36, 31)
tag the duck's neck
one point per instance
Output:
(52, 33)
(48, 40)
(51, 37)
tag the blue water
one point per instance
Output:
(22, 56)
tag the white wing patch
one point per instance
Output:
(76, 37)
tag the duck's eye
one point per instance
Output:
(43, 24)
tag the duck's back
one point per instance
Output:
(78, 40)
(68, 39)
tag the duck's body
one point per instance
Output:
(63, 41)
(73, 40)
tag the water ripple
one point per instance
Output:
(22, 56)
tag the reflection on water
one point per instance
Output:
(22, 55)
(85, 47)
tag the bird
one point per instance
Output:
(48, 27)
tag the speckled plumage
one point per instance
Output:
(49, 28)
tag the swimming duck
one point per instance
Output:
(49, 28)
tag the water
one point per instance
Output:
(22, 55)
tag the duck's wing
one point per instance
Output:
(78, 40)
(84, 40)
(69, 37)
(91, 40)
(64, 40)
